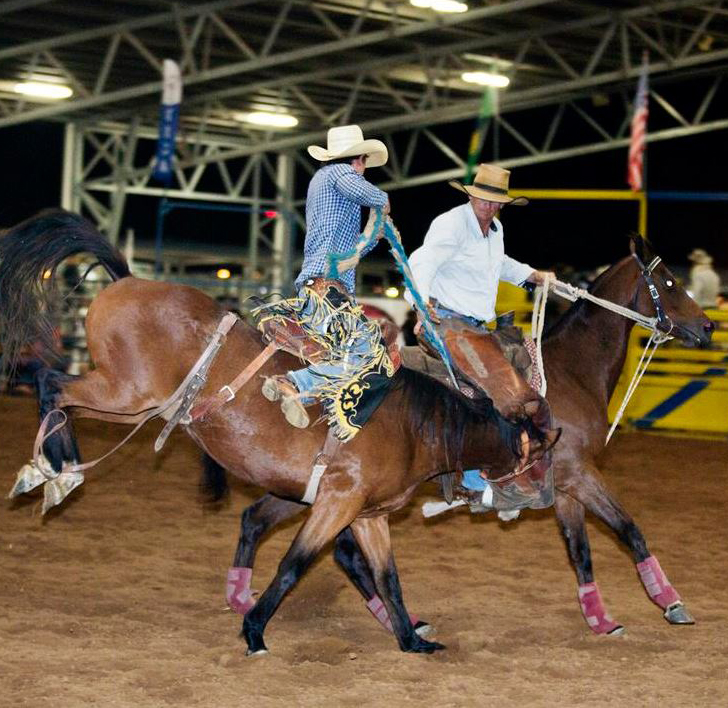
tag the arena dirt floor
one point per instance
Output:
(117, 598)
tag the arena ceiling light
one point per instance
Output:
(40, 89)
(441, 5)
(485, 78)
(268, 120)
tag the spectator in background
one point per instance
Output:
(704, 281)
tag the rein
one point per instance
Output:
(660, 326)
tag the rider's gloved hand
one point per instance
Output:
(539, 276)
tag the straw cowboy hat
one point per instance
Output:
(700, 257)
(490, 183)
(348, 141)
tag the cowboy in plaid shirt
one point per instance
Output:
(333, 217)
(325, 307)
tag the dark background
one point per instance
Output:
(545, 233)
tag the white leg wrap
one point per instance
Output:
(29, 477)
(56, 490)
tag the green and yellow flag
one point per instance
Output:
(488, 108)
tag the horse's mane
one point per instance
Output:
(577, 311)
(440, 415)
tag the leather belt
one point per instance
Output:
(321, 286)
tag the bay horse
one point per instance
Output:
(144, 336)
(583, 356)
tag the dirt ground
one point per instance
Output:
(117, 598)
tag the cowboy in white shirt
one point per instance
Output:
(457, 270)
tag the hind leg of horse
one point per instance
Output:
(255, 522)
(351, 560)
(594, 495)
(372, 535)
(61, 446)
(58, 448)
(333, 510)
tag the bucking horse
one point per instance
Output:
(144, 337)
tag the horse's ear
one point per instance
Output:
(637, 246)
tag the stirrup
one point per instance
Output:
(276, 387)
(280, 388)
(294, 412)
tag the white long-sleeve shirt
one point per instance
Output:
(460, 267)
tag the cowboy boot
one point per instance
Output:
(281, 388)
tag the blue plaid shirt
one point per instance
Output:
(333, 218)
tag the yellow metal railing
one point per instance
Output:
(683, 389)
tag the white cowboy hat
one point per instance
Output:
(348, 141)
(491, 184)
(700, 256)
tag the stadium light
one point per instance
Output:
(269, 120)
(485, 78)
(441, 5)
(40, 89)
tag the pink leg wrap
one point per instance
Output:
(594, 611)
(239, 597)
(377, 608)
(656, 583)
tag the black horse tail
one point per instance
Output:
(213, 481)
(28, 253)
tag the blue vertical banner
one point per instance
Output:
(168, 121)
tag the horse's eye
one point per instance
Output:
(669, 283)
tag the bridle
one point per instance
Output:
(663, 323)
(660, 326)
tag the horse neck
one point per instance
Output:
(591, 340)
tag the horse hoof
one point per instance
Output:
(424, 629)
(422, 646)
(677, 614)
(258, 652)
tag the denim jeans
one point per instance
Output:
(354, 353)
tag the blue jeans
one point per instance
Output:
(354, 353)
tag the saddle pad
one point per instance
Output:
(416, 358)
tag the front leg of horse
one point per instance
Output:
(331, 512)
(594, 495)
(570, 515)
(255, 522)
(373, 538)
(352, 561)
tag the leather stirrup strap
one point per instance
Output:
(227, 393)
(320, 464)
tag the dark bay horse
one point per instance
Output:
(144, 336)
(583, 354)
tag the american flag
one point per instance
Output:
(639, 131)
